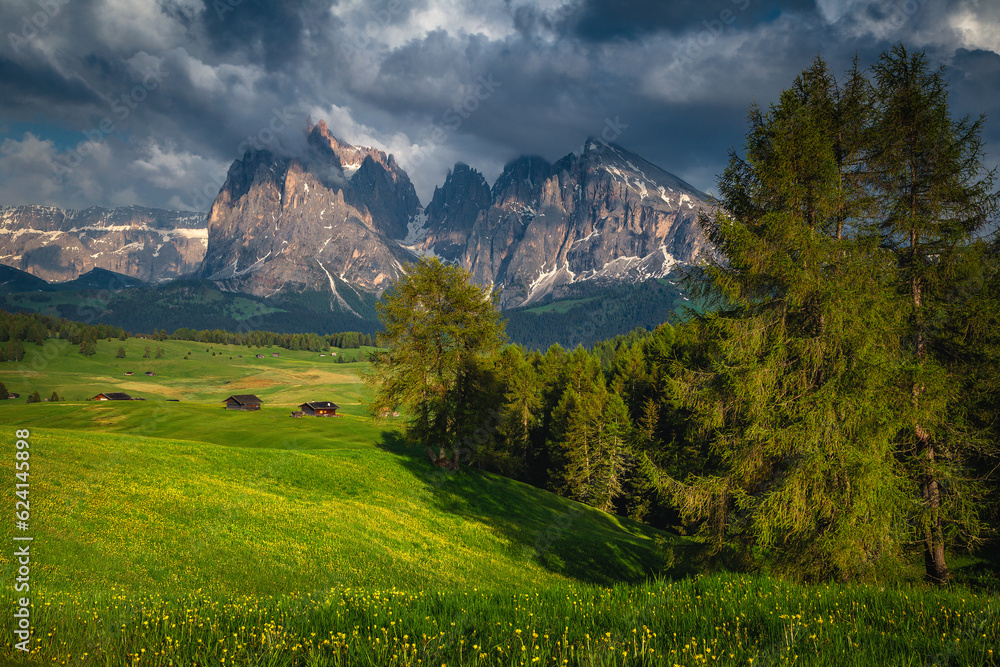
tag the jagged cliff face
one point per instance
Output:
(372, 179)
(58, 245)
(604, 215)
(453, 211)
(335, 218)
(288, 225)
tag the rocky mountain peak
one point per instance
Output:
(307, 224)
(348, 157)
(453, 210)
(605, 214)
(372, 179)
(521, 179)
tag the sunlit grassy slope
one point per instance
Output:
(172, 532)
(188, 495)
(290, 379)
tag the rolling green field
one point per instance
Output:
(173, 532)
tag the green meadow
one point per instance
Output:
(170, 531)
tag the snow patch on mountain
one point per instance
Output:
(336, 295)
(416, 230)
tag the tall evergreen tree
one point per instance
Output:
(933, 199)
(787, 383)
(829, 382)
(522, 401)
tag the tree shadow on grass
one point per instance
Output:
(561, 535)
(980, 571)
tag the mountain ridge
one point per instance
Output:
(57, 244)
(343, 220)
(606, 214)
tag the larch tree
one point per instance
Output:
(441, 334)
(786, 381)
(934, 198)
(829, 382)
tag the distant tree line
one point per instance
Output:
(18, 330)
(21, 329)
(199, 304)
(256, 339)
(597, 314)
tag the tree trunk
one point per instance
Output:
(934, 561)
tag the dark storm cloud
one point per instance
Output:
(602, 20)
(270, 33)
(433, 81)
(975, 90)
(26, 85)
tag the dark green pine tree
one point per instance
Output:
(786, 383)
(522, 401)
(14, 350)
(614, 452)
(88, 346)
(593, 432)
(933, 199)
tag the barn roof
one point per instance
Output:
(244, 399)
(326, 405)
(115, 396)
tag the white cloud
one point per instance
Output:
(170, 169)
(235, 80)
(975, 32)
(33, 171)
(704, 67)
(387, 25)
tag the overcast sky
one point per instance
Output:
(117, 102)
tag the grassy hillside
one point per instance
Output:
(177, 533)
(157, 515)
(188, 371)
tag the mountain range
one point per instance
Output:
(146, 243)
(337, 223)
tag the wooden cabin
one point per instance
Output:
(112, 396)
(150, 373)
(260, 356)
(298, 413)
(320, 408)
(275, 354)
(129, 372)
(244, 402)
